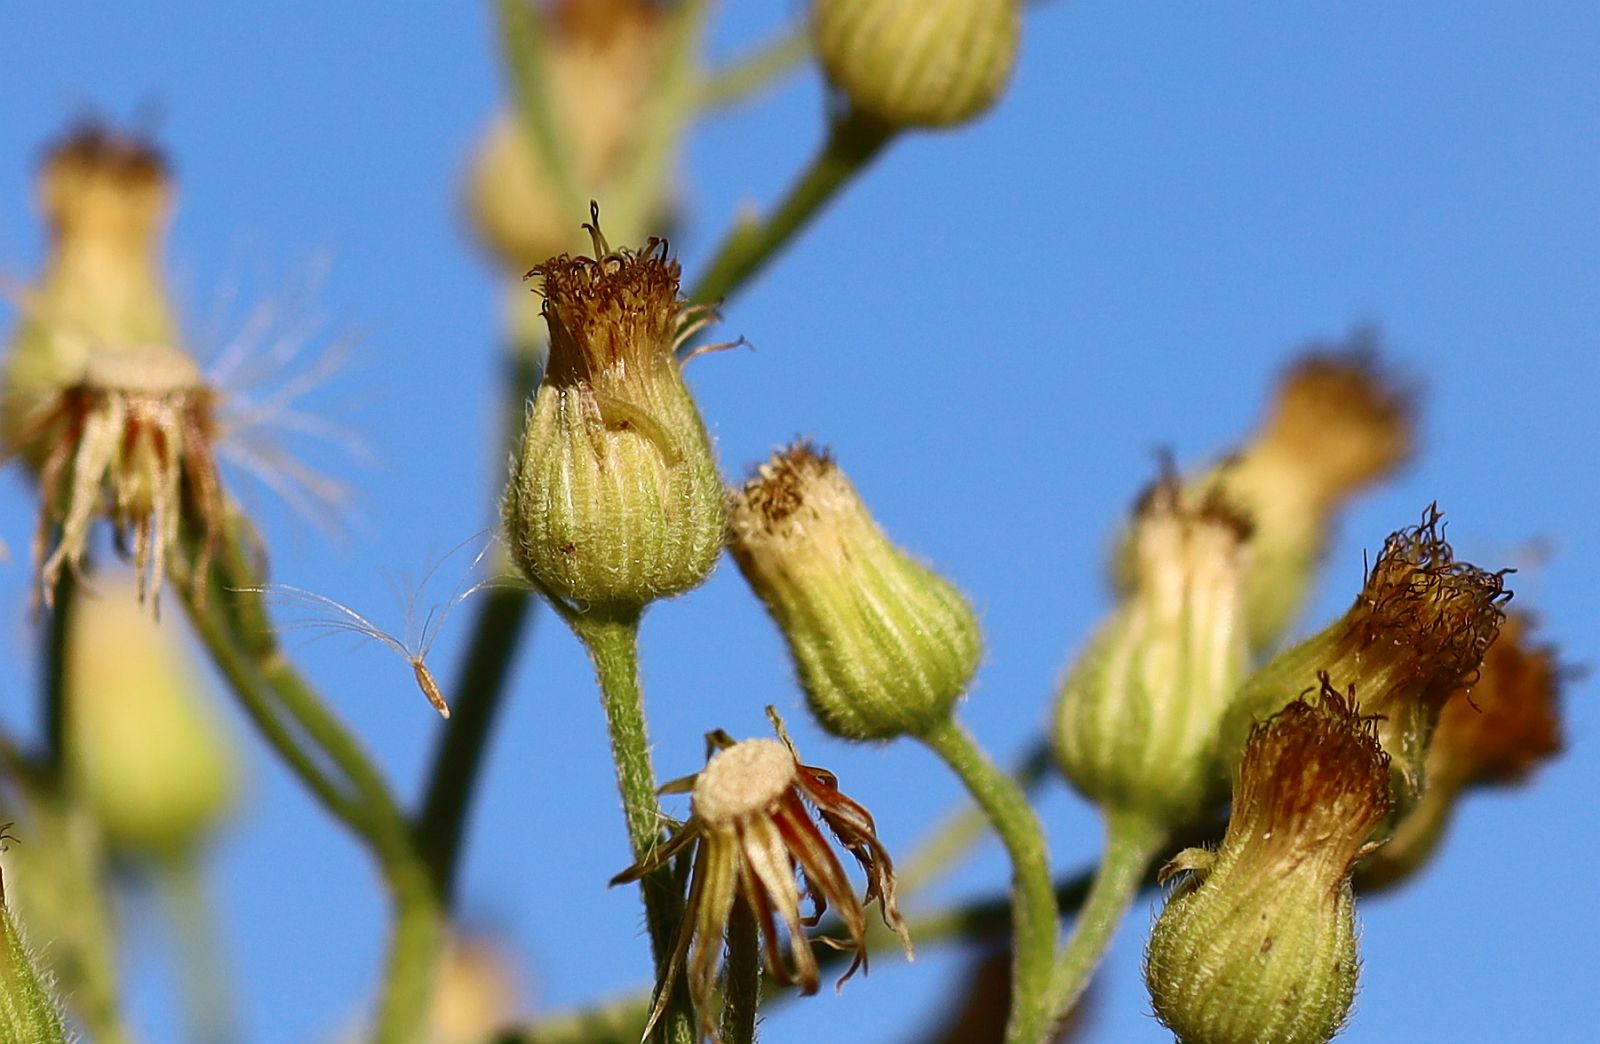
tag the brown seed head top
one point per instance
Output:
(613, 317)
(96, 183)
(1423, 614)
(1312, 785)
(789, 494)
(1508, 722)
(1341, 419)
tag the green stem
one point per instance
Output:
(613, 644)
(1132, 842)
(537, 105)
(54, 678)
(742, 982)
(853, 142)
(984, 921)
(293, 717)
(205, 985)
(634, 199)
(940, 850)
(742, 78)
(1034, 910)
(458, 760)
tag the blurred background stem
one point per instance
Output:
(205, 982)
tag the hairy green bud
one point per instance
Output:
(883, 645)
(1258, 942)
(28, 1012)
(614, 499)
(1137, 717)
(918, 63)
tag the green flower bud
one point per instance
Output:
(1259, 942)
(883, 645)
(1137, 717)
(614, 499)
(1491, 736)
(54, 885)
(1337, 424)
(28, 1011)
(1414, 636)
(146, 751)
(918, 63)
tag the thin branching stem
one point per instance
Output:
(1132, 842)
(854, 141)
(1034, 910)
(613, 644)
(294, 719)
(768, 63)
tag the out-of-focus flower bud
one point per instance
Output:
(1259, 942)
(98, 397)
(28, 1010)
(477, 994)
(614, 499)
(1415, 635)
(1338, 423)
(883, 645)
(145, 750)
(1137, 718)
(106, 200)
(918, 63)
(1492, 735)
(603, 56)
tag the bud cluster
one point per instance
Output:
(1415, 635)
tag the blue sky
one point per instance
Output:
(994, 330)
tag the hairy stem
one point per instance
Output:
(1034, 910)
(613, 644)
(1131, 844)
(942, 849)
(742, 982)
(853, 142)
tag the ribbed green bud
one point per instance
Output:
(146, 750)
(1415, 635)
(1258, 943)
(106, 199)
(918, 63)
(614, 499)
(883, 645)
(1137, 718)
(28, 1011)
